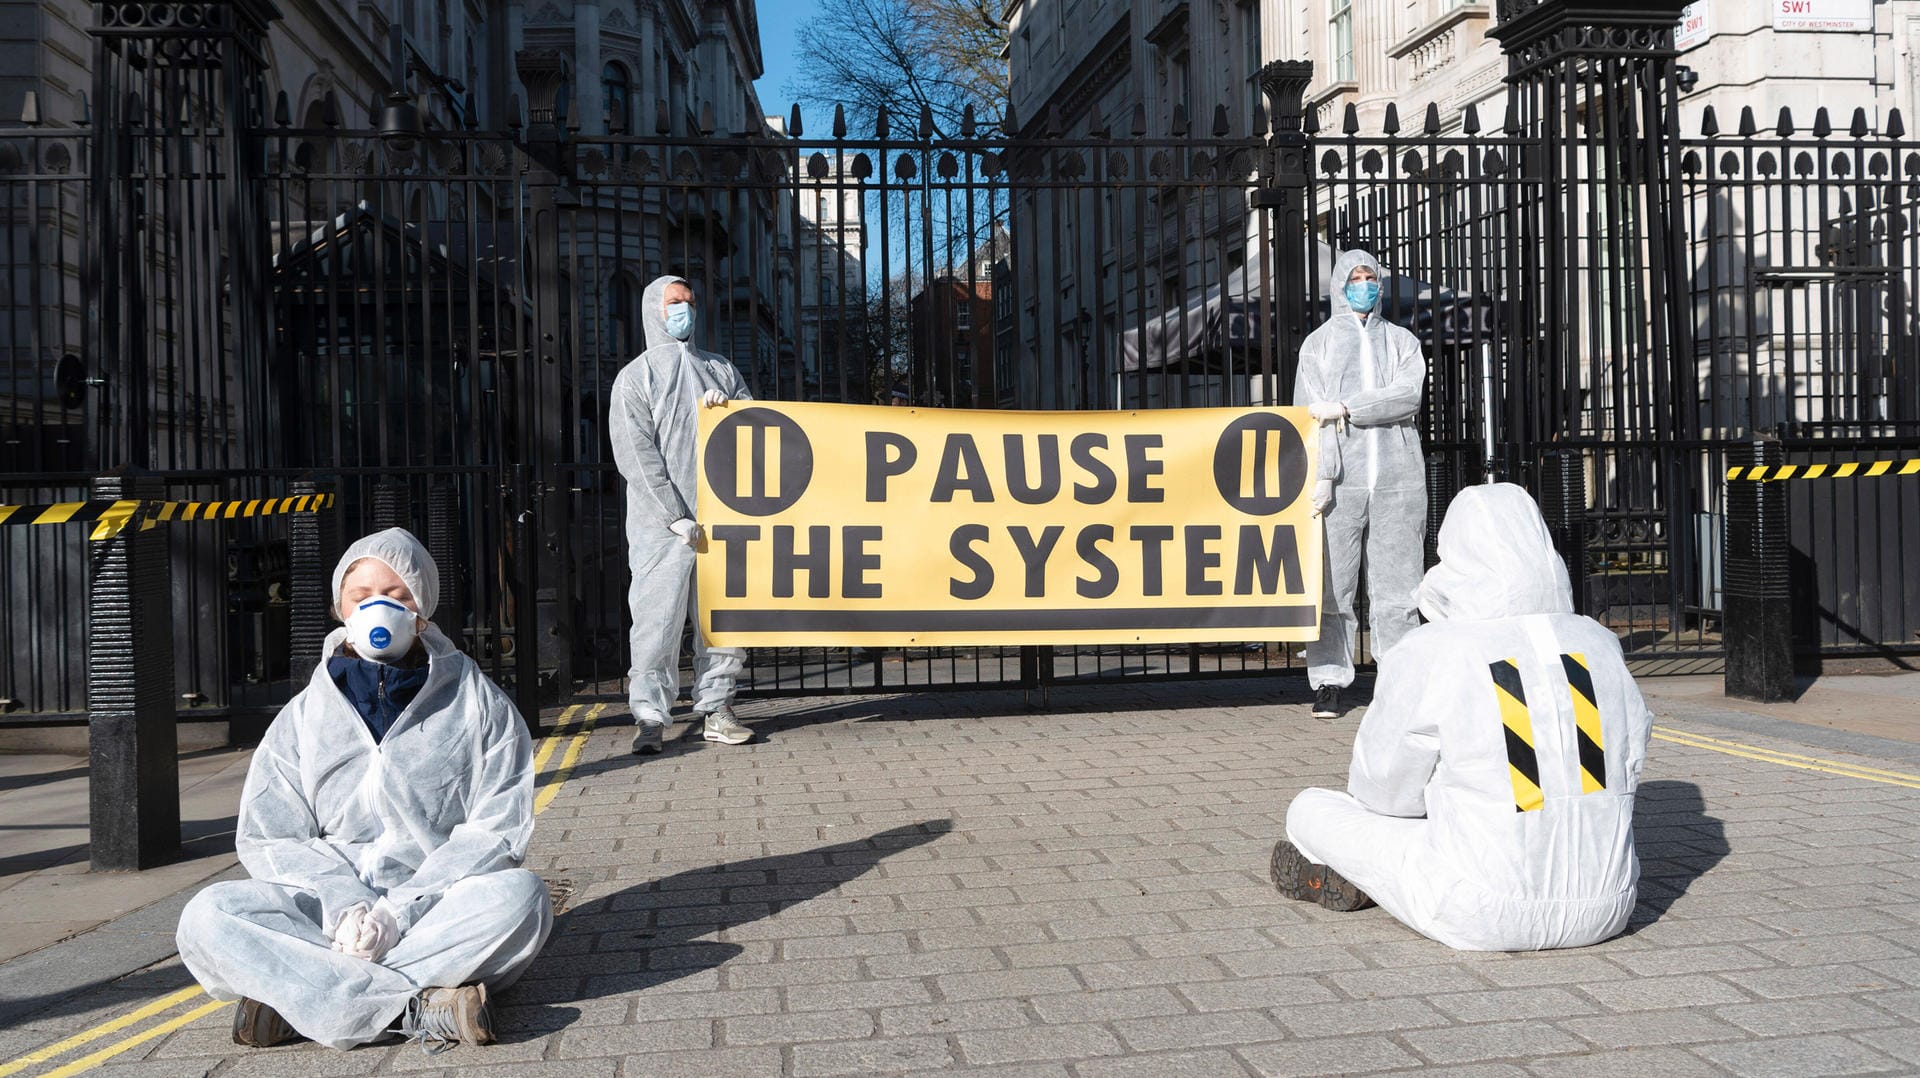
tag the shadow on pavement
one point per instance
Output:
(1677, 842)
(651, 933)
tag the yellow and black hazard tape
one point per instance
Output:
(1853, 469)
(110, 518)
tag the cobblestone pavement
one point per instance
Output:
(960, 885)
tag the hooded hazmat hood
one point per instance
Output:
(1496, 560)
(397, 549)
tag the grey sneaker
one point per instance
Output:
(257, 1025)
(724, 728)
(648, 740)
(440, 1018)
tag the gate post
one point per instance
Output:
(133, 818)
(1563, 497)
(312, 540)
(1757, 591)
(1284, 193)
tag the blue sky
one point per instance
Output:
(778, 22)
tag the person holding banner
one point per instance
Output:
(1361, 377)
(1489, 805)
(653, 419)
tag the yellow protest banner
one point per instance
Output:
(835, 524)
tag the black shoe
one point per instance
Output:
(1296, 877)
(1326, 703)
(257, 1025)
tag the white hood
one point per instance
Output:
(1496, 560)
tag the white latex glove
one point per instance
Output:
(713, 398)
(687, 530)
(347, 931)
(378, 932)
(1322, 497)
(1327, 411)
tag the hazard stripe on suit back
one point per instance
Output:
(1586, 721)
(1523, 763)
(1862, 469)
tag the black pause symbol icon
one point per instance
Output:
(758, 462)
(1259, 464)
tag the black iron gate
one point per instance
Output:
(239, 303)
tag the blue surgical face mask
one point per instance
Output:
(1362, 296)
(680, 320)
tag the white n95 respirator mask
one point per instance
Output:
(381, 629)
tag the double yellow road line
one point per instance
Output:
(167, 1008)
(1787, 759)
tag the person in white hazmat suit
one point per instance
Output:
(1490, 801)
(1361, 378)
(653, 420)
(384, 821)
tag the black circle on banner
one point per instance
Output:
(757, 486)
(1273, 477)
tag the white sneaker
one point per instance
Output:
(721, 726)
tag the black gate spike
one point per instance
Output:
(1139, 126)
(926, 120)
(1785, 126)
(1859, 128)
(1709, 123)
(330, 111)
(1096, 123)
(839, 121)
(793, 121)
(282, 112)
(1260, 125)
(706, 118)
(1179, 120)
(1008, 123)
(1221, 126)
(1822, 126)
(880, 124)
(1470, 120)
(967, 126)
(1896, 127)
(1511, 123)
(1053, 125)
(1350, 120)
(1432, 124)
(1310, 121)
(1748, 126)
(1391, 125)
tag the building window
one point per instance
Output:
(1340, 37)
(617, 90)
(826, 289)
(963, 315)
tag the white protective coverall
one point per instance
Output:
(431, 823)
(1490, 801)
(654, 418)
(1379, 477)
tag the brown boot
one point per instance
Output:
(1297, 877)
(257, 1025)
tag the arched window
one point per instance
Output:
(616, 89)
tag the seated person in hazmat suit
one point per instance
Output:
(654, 417)
(1361, 377)
(383, 821)
(1490, 801)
